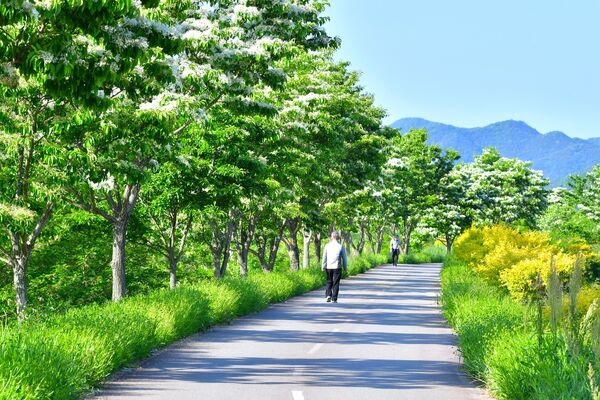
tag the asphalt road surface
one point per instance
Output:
(385, 339)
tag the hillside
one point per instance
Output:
(554, 153)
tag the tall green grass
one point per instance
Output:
(502, 347)
(64, 356)
(478, 313)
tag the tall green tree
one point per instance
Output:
(52, 62)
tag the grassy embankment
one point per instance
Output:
(516, 350)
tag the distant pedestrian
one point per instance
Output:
(395, 249)
(334, 263)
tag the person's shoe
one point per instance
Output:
(329, 299)
(334, 301)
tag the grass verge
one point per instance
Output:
(64, 356)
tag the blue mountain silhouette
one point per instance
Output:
(554, 153)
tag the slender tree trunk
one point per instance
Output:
(291, 242)
(293, 253)
(20, 285)
(306, 239)
(347, 240)
(273, 250)
(122, 210)
(173, 258)
(118, 259)
(360, 245)
(245, 236)
(408, 228)
(173, 265)
(221, 245)
(449, 242)
(318, 242)
(266, 251)
(22, 247)
(171, 246)
(375, 239)
(267, 248)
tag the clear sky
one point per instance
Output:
(470, 63)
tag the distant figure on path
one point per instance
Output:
(334, 262)
(395, 249)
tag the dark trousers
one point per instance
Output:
(332, 287)
(395, 253)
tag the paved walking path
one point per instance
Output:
(385, 339)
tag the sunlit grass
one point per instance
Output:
(501, 345)
(66, 355)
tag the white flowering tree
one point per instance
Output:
(411, 180)
(586, 189)
(503, 190)
(449, 216)
(574, 211)
(52, 61)
(328, 140)
(228, 48)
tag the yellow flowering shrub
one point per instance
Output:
(586, 297)
(469, 246)
(505, 257)
(520, 279)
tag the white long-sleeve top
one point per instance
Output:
(331, 256)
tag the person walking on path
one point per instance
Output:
(334, 262)
(395, 249)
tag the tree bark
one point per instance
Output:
(22, 247)
(291, 242)
(380, 232)
(306, 239)
(221, 245)
(449, 241)
(245, 236)
(118, 259)
(122, 212)
(318, 241)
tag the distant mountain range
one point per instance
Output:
(554, 153)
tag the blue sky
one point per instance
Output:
(470, 63)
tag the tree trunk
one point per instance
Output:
(173, 274)
(318, 241)
(221, 245)
(267, 250)
(20, 285)
(122, 212)
(22, 247)
(291, 242)
(347, 241)
(449, 241)
(360, 246)
(408, 228)
(170, 246)
(245, 236)
(306, 239)
(118, 259)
